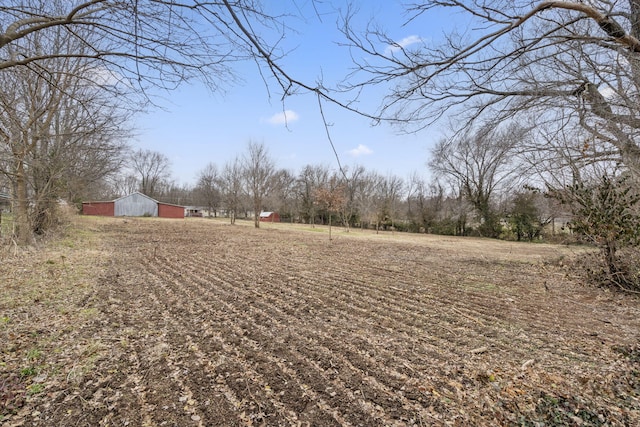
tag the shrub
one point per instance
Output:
(605, 214)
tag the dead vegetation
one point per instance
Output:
(162, 322)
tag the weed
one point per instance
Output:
(34, 354)
(28, 372)
(35, 388)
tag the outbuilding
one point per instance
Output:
(193, 211)
(135, 204)
(269, 217)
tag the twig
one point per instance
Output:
(479, 350)
(528, 363)
(449, 330)
(467, 316)
(405, 364)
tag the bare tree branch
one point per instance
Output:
(518, 59)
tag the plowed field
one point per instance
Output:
(146, 322)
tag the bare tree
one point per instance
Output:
(146, 42)
(480, 163)
(132, 47)
(59, 131)
(258, 169)
(364, 197)
(387, 195)
(153, 170)
(207, 188)
(231, 183)
(425, 202)
(574, 63)
(351, 178)
(283, 193)
(162, 43)
(177, 194)
(123, 184)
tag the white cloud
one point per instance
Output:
(361, 150)
(405, 42)
(285, 117)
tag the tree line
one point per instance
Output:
(449, 203)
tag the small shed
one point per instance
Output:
(269, 217)
(135, 204)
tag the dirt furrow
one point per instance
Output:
(158, 364)
(294, 295)
(251, 328)
(354, 354)
(269, 308)
(180, 310)
(239, 341)
(176, 347)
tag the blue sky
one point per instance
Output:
(195, 127)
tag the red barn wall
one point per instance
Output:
(98, 208)
(273, 217)
(170, 211)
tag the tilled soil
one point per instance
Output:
(199, 323)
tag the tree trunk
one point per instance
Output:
(610, 258)
(256, 213)
(21, 210)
